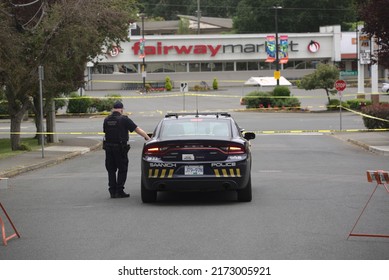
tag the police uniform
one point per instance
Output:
(116, 127)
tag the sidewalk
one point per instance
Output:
(53, 154)
(377, 142)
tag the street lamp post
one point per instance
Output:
(277, 45)
(142, 15)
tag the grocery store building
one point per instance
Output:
(231, 59)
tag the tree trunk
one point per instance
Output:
(328, 96)
(16, 122)
(37, 119)
(50, 122)
(16, 109)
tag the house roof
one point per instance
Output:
(218, 22)
(207, 24)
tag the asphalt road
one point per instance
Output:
(308, 190)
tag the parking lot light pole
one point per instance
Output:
(277, 45)
(142, 15)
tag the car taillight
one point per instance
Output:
(154, 150)
(234, 149)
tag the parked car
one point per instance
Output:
(385, 87)
(197, 152)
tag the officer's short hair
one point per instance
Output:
(118, 105)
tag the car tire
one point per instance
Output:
(245, 195)
(147, 195)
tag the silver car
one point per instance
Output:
(385, 87)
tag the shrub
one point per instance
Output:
(281, 91)
(60, 103)
(333, 105)
(357, 104)
(378, 111)
(101, 105)
(168, 84)
(215, 84)
(78, 104)
(288, 103)
(255, 98)
(148, 87)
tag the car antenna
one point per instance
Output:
(197, 107)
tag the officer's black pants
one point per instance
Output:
(116, 163)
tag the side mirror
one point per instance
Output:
(249, 135)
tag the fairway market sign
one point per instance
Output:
(203, 49)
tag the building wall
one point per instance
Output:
(233, 48)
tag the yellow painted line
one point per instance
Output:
(171, 173)
(163, 173)
(217, 172)
(224, 171)
(232, 172)
(238, 172)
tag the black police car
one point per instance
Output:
(197, 152)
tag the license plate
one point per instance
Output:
(194, 170)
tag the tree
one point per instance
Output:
(60, 35)
(376, 23)
(298, 16)
(324, 77)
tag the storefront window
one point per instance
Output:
(207, 66)
(194, 67)
(103, 69)
(241, 66)
(252, 65)
(181, 67)
(228, 66)
(126, 68)
(218, 66)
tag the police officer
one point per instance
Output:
(116, 146)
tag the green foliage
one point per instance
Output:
(78, 104)
(281, 91)
(357, 104)
(183, 26)
(253, 16)
(260, 99)
(333, 105)
(60, 103)
(379, 111)
(104, 104)
(324, 77)
(168, 84)
(27, 144)
(62, 39)
(215, 84)
(256, 99)
(374, 14)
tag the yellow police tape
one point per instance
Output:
(364, 115)
(178, 94)
(295, 131)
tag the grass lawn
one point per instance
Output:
(5, 146)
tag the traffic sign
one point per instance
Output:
(277, 75)
(184, 87)
(340, 85)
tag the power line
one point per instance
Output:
(24, 5)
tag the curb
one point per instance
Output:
(23, 169)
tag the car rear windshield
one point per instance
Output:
(194, 127)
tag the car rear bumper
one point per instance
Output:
(193, 184)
